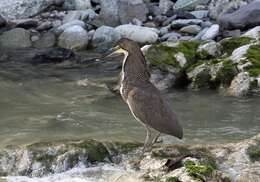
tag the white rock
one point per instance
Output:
(253, 33)
(200, 14)
(211, 33)
(74, 37)
(77, 4)
(61, 28)
(180, 58)
(239, 53)
(240, 85)
(165, 5)
(212, 48)
(191, 29)
(138, 33)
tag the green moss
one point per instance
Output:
(227, 73)
(254, 152)
(172, 179)
(161, 54)
(229, 45)
(198, 171)
(192, 66)
(253, 84)
(253, 55)
(96, 151)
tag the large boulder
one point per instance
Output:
(74, 37)
(109, 12)
(218, 7)
(240, 85)
(129, 10)
(105, 37)
(254, 33)
(138, 33)
(246, 17)
(189, 4)
(48, 39)
(17, 9)
(63, 27)
(211, 33)
(16, 38)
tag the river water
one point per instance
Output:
(50, 102)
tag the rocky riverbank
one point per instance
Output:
(223, 162)
(196, 44)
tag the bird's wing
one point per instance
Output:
(148, 106)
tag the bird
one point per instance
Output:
(144, 100)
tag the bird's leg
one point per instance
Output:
(147, 139)
(155, 139)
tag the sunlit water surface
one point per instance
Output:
(47, 102)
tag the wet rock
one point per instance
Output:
(231, 33)
(211, 48)
(138, 33)
(189, 5)
(19, 9)
(211, 33)
(254, 33)
(109, 12)
(176, 24)
(165, 6)
(61, 28)
(162, 81)
(74, 37)
(77, 4)
(191, 29)
(172, 36)
(240, 85)
(184, 15)
(128, 10)
(47, 40)
(16, 38)
(53, 55)
(44, 26)
(105, 37)
(246, 17)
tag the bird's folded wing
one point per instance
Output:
(150, 108)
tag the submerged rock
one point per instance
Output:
(16, 38)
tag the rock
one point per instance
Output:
(47, 40)
(239, 53)
(172, 36)
(149, 24)
(191, 29)
(105, 37)
(154, 9)
(137, 22)
(109, 12)
(253, 33)
(206, 24)
(245, 17)
(180, 58)
(218, 7)
(189, 4)
(200, 14)
(88, 15)
(61, 28)
(186, 38)
(77, 4)
(240, 85)
(165, 6)
(138, 33)
(16, 38)
(162, 82)
(2, 21)
(232, 33)
(200, 34)
(34, 38)
(19, 9)
(74, 37)
(128, 10)
(176, 24)
(25, 23)
(53, 55)
(211, 33)
(72, 15)
(212, 48)
(184, 15)
(44, 26)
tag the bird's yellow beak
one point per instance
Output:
(116, 50)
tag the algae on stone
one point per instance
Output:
(230, 44)
(253, 55)
(254, 153)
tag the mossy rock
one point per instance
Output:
(253, 55)
(230, 44)
(227, 73)
(161, 54)
(198, 171)
(172, 179)
(254, 152)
